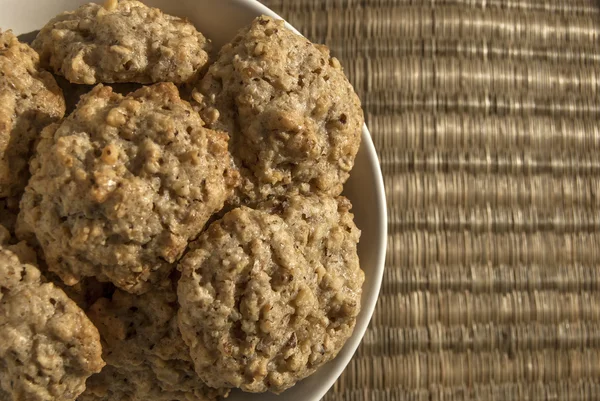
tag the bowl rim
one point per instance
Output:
(368, 306)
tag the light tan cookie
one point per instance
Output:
(122, 41)
(294, 118)
(48, 347)
(146, 356)
(250, 308)
(326, 235)
(122, 184)
(30, 99)
(84, 293)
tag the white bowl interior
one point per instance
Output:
(219, 20)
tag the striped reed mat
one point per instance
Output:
(486, 117)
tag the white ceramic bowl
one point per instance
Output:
(219, 20)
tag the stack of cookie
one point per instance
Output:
(190, 233)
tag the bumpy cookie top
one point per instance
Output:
(250, 308)
(122, 41)
(295, 119)
(325, 233)
(30, 99)
(48, 347)
(121, 185)
(146, 356)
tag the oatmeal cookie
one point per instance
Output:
(140, 384)
(325, 233)
(30, 99)
(146, 356)
(250, 311)
(122, 41)
(121, 185)
(84, 293)
(74, 92)
(49, 347)
(294, 118)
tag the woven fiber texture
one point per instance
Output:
(486, 117)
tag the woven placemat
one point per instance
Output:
(486, 117)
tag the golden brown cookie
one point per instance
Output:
(326, 235)
(48, 346)
(122, 41)
(146, 356)
(30, 99)
(122, 185)
(253, 311)
(294, 118)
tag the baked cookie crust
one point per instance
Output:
(252, 309)
(122, 41)
(122, 185)
(30, 99)
(145, 354)
(294, 118)
(49, 347)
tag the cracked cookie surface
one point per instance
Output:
(122, 185)
(30, 99)
(49, 347)
(145, 354)
(294, 118)
(252, 311)
(122, 41)
(327, 237)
